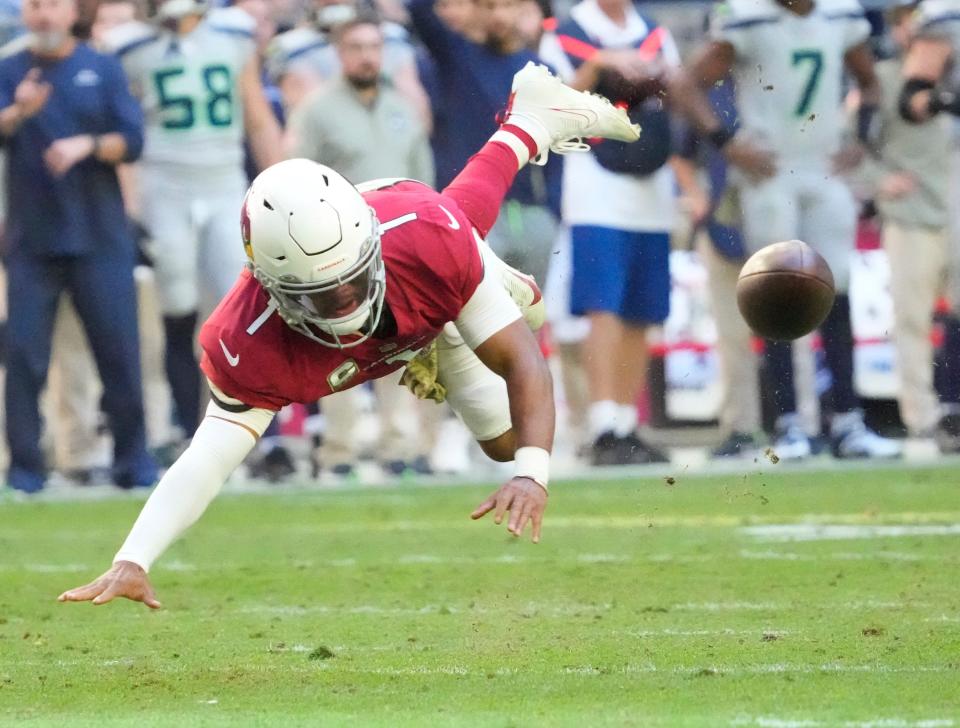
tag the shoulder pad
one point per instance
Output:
(295, 41)
(287, 47)
(736, 12)
(841, 8)
(231, 20)
(934, 12)
(15, 46)
(125, 38)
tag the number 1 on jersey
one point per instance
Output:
(815, 60)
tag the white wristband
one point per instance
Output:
(533, 463)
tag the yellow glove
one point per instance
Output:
(420, 376)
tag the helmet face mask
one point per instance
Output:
(314, 246)
(342, 312)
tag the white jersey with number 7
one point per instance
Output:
(789, 72)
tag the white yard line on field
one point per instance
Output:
(773, 555)
(417, 559)
(177, 565)
(47, 568)
(555, 609)
(602, 558)
(763, 721)
(647, 668)
(820, 531)
(932, 519)
(744, 606)
(348, 667)
(726, 632)
(770, 634)
(738, 606)
(532, 608)
(630, 522)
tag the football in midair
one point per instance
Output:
(785, 290)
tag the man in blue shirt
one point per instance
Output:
(66, 119)
(474, 69)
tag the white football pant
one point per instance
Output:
(807, 205)
(194, 237)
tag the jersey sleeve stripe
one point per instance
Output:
(850, 15)
(737, 24)
(232, 31)
(306, 49)
(253, 433)
(133, 45)
(262, 318)
(397, 221)
(224, 405)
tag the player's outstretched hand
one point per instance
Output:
(124, 579)
(526, 501)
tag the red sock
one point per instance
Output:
(480, 188)
(527, 140)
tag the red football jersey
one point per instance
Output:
(432, 267)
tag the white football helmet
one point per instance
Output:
(314, 245)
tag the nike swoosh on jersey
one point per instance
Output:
(232, 359)
(454, 223)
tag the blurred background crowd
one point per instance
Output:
(107, 285)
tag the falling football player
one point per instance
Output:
(345, 284)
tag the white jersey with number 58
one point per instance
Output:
(789, 71)
(189, 88)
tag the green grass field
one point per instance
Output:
(771, 599)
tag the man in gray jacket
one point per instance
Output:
(909, 180)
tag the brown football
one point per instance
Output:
(785, 290)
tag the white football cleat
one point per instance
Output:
(525, 292)
(559, 117)
(790, 441)
(851, 438)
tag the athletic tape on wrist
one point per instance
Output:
(533, 463)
